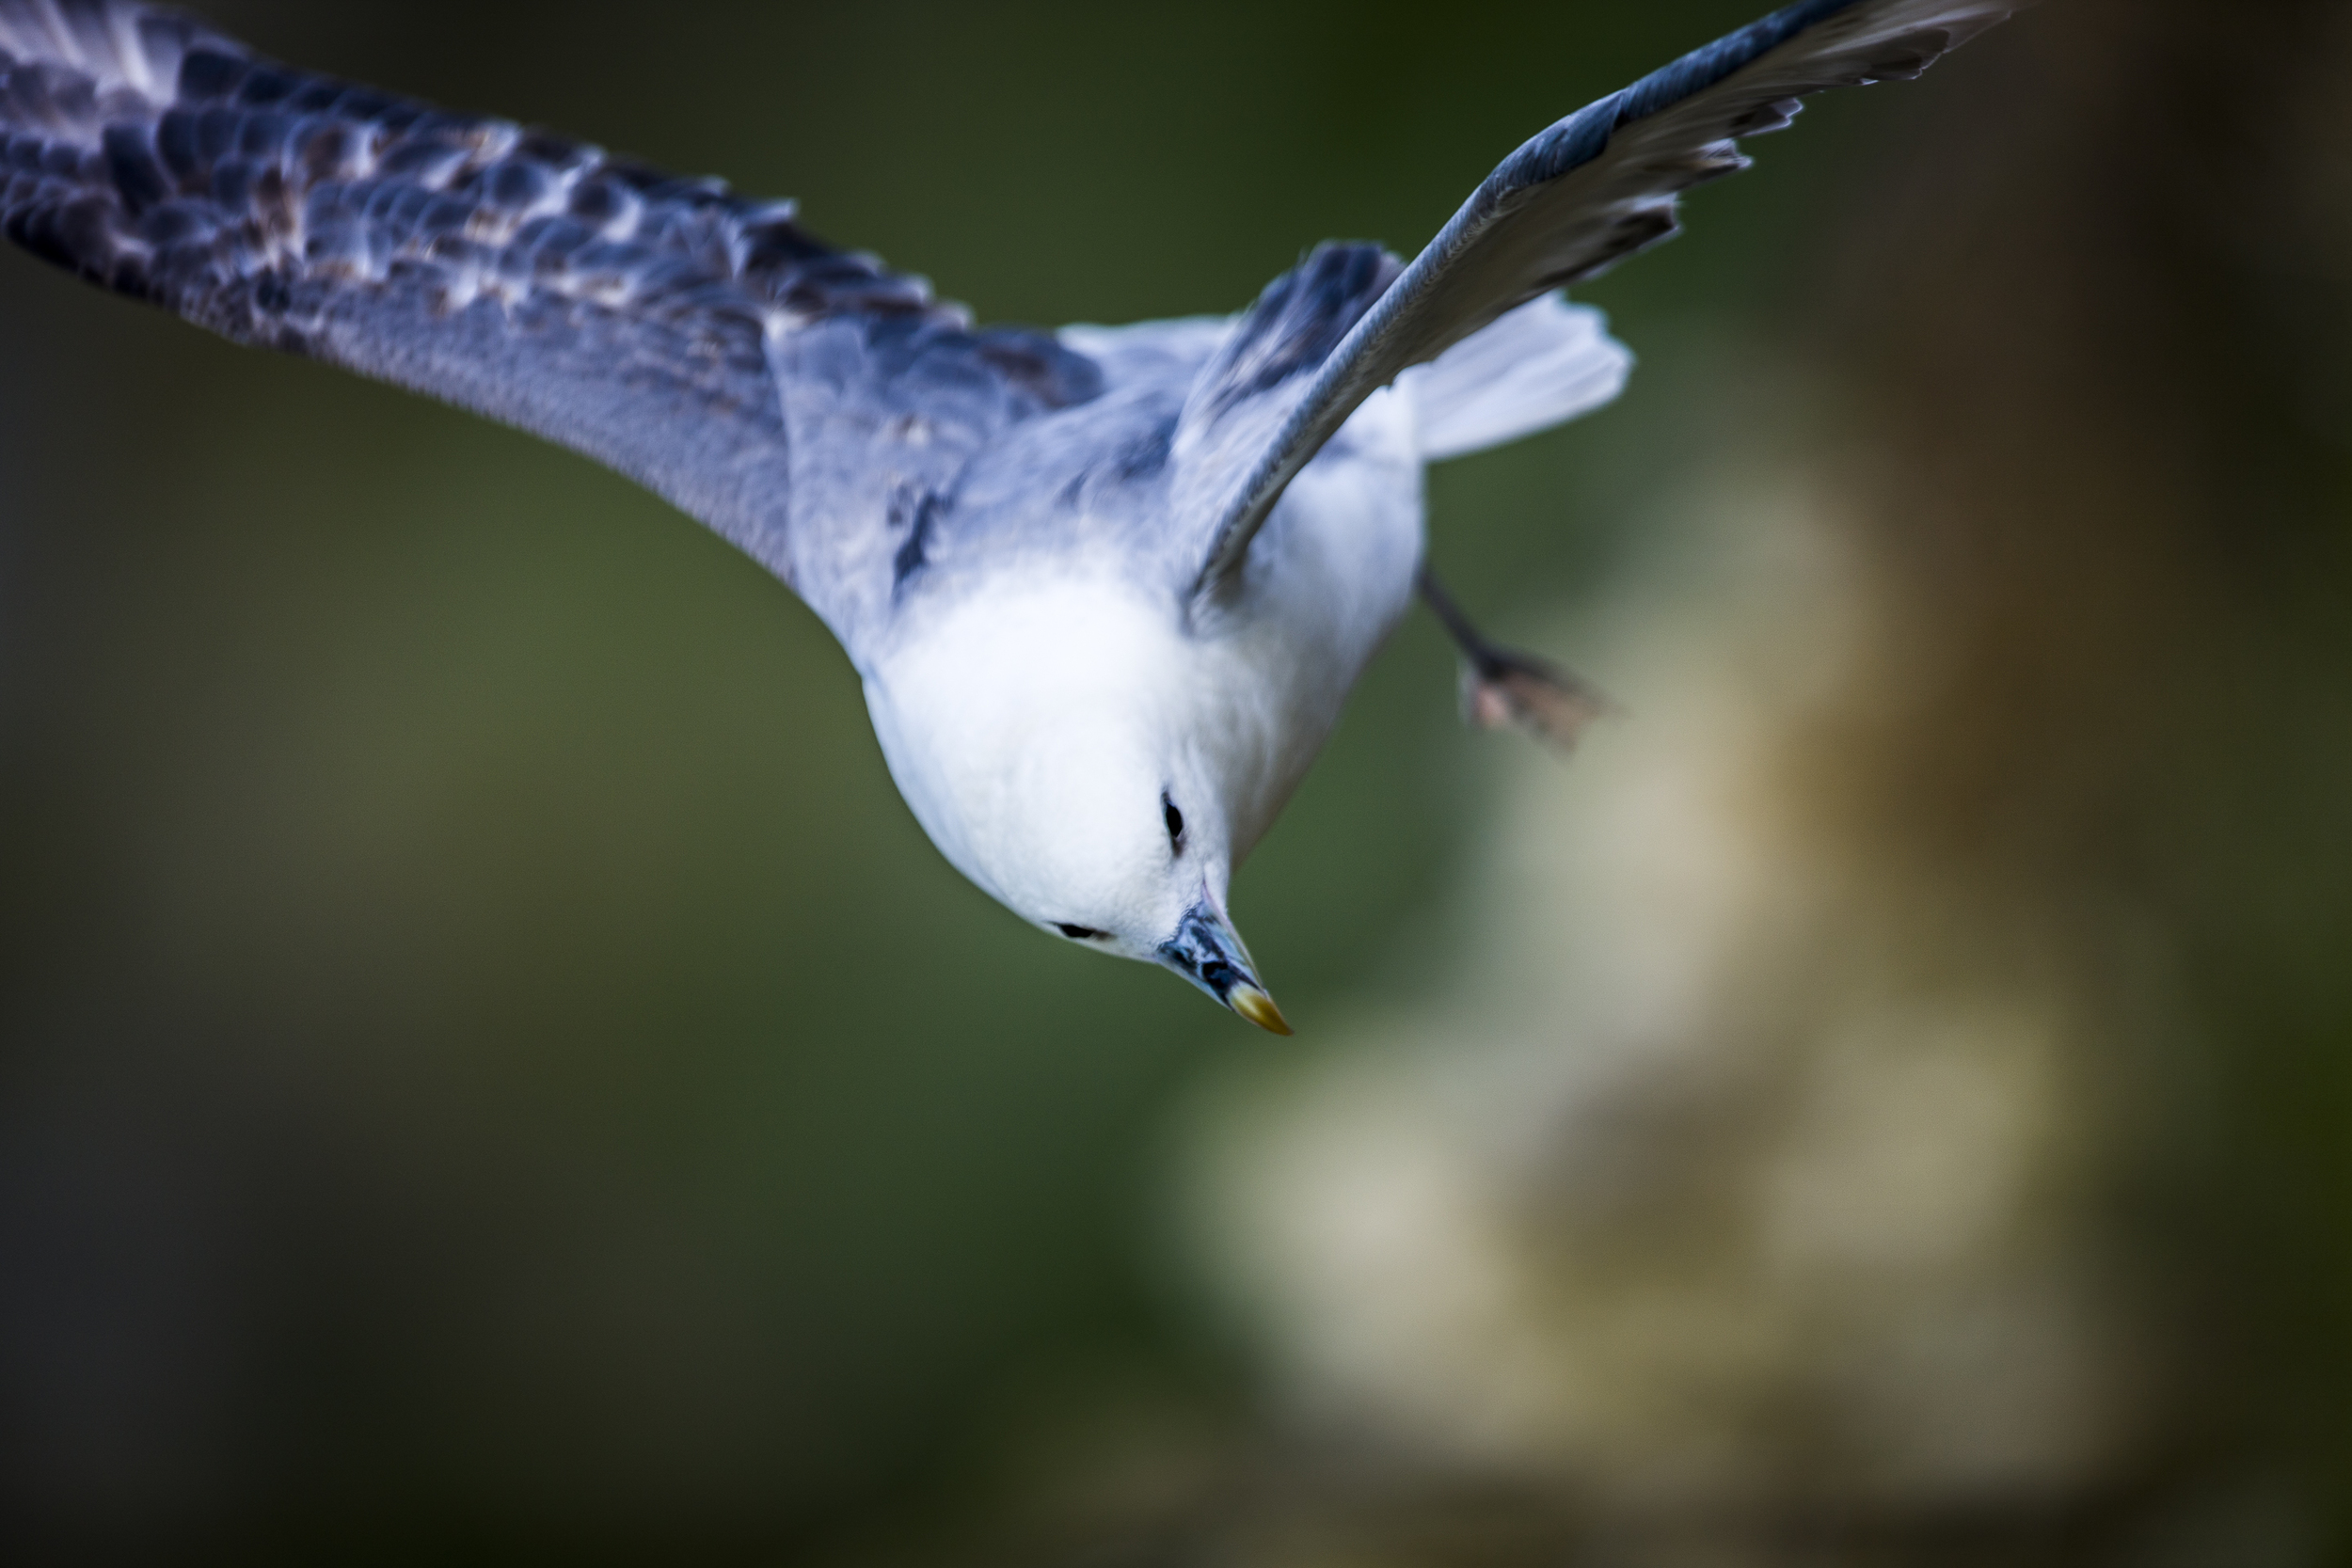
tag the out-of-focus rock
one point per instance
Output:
(1884, 1104)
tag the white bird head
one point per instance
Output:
(1070, 758)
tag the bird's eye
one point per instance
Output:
(1175, 821)
(1080, 933)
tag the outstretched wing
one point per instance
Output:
(1582, 195)
(789, 394)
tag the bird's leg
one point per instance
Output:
(1502, 686)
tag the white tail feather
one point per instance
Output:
(1542, 364)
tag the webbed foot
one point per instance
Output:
(1503, 687)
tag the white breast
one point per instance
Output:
(1244, 705)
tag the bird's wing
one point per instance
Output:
(1242, 400)
(1577, 199)
(803, 402)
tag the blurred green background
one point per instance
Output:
(490, 1070)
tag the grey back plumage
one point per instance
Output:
(800, 400)
(1243, 398)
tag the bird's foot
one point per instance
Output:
(1502, 687)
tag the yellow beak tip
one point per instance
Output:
(1259, 1008)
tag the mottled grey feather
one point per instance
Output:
(800, 400)
(1592, 190)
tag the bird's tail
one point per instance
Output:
(1539, 366)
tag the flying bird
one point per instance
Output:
(1106, 589)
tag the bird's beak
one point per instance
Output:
(1205, 951)
(1259, 1008)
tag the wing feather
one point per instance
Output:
(1590, 190)
(703, 344)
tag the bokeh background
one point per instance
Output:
(491, 1071)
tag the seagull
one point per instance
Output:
(1107, 588)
